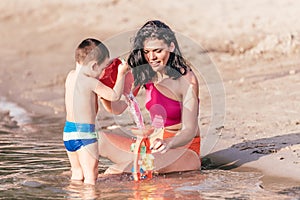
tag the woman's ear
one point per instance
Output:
(172, 47)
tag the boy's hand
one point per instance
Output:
(123, 68)
(128, 83)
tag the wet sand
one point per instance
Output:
(254, 45)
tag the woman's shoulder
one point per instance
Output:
(189, 78)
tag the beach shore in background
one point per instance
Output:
(254, 46)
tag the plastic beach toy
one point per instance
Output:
(110, 73)
(143, 162)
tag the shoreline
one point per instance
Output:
(273, 165)
(269, 182)
(230, 158)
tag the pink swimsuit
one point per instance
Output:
(168, 110)
(161, 106)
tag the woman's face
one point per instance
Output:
(157, 53)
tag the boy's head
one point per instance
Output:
(91, 50)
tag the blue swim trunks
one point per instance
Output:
(77, 135)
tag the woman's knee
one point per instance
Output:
(192, 159)
(188, 161)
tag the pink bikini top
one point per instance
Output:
(161, 107)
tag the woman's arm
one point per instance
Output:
(190, 112)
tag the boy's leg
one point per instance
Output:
(76, 170)
(88, 158)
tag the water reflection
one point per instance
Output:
(78, 190)
(34, 165)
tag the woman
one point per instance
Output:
(171, 99)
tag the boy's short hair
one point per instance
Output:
(91, 49)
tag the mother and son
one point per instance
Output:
(171, 90)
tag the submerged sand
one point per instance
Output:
(254, 45)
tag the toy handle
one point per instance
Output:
(137, 152)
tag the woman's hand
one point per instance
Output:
(160, 145)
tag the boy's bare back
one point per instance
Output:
(82, 89)
(80, 97)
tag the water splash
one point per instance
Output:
(135, 111)
(143, 159)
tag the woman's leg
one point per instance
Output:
(115, 147)
(119, 168)
(176, 160)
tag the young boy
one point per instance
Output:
(82, 88)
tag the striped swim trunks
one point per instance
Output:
(77, 135)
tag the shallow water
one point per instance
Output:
(34, 165)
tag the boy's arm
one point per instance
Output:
(118, 107)
(119, 86)
(113, 94)
(106, 92)
(114, 107)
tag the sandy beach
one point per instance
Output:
(254, 46)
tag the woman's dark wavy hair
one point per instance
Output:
(142, 71)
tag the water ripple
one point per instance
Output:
(34, 165)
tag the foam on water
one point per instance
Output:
(19, 114)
